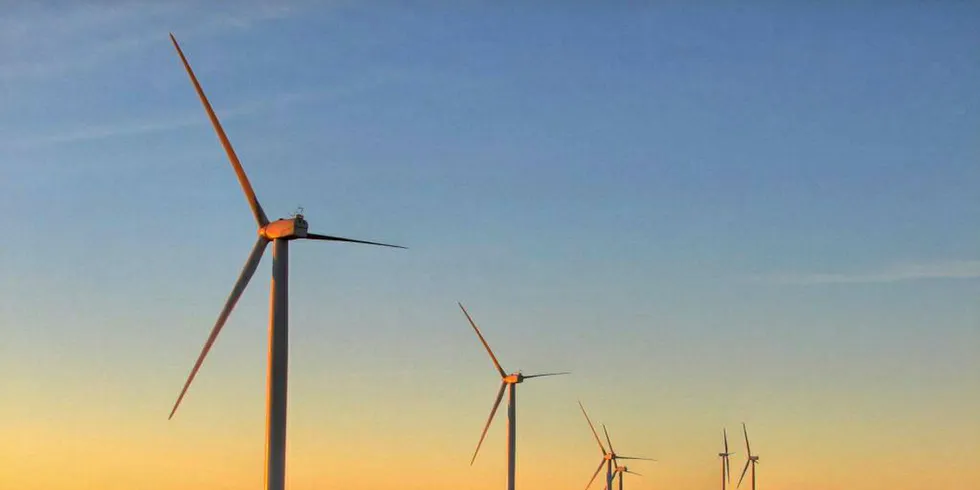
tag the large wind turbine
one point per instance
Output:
(510, 382)
(726, 469)
(279, 232)
(753, 459)
(609, 458)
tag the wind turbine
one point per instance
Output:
(609, 458)
(726, 469)
(280, 233)
(620, 470)
(510, 382)
(753, 459)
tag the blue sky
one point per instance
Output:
(656, 198)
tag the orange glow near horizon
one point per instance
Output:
(425, 444)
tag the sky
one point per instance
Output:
(710, 214)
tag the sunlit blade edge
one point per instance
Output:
(608, 440)
(748, 450)
(594, 433)
(476, 329)
(743, 473)
(236, 292)
(597, 470)
(500, 396)
(253, 201)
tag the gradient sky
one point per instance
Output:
(708, 214)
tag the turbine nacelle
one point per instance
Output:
(285, 229)
(513, 379)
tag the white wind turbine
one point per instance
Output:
(510, 382)
(726, 469)
(609, 458)
(753, 459)
(280, 233)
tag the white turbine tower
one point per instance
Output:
(279, 232)
(753, 459)
(609, 458)
(726, 469)
(510, 382)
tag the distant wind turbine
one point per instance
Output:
(753, 459)
(609, 458)
(620, 470)
(280, 233)
(510, 382)
(726, 469)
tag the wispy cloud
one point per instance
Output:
(165, 123)
(51, 43)
(956, 269)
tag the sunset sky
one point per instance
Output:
(709, 214)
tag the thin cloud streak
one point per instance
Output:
(194, 118)
(77, 40)
(99, 132)
(963, 269)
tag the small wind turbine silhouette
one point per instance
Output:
(510, 382)
(726, 469)
(609, 458)
(280, 233)
(620, 470)
(753, 459)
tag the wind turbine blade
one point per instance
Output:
(748, 450)
(314, 236)
(250, 265)
(545, 374)
(608, 441)
(632, 472)
(496, 403)
(253, 202)
(597, 470)
(725, 433)
(728, 469)
(747, 463)
(485, 344)
(630, 457)
(599, 441)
